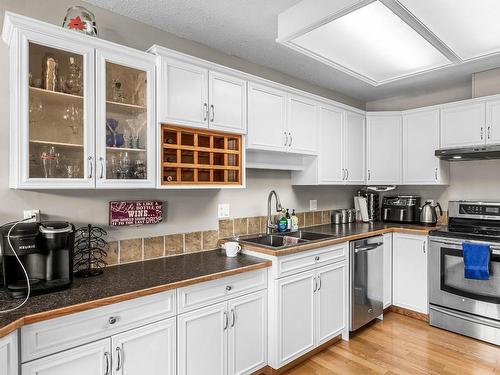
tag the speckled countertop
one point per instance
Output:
(342, 233)
(124, 282)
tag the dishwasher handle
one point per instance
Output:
(368, 248)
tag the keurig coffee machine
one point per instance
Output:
(46, 251)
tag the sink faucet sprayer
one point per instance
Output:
(270, 225)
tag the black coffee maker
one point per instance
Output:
(46, 251)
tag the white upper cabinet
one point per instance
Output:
(354, 147)
(493, 122)
(463, 125)
(125, 118)
(341, 150)
(331, 145)
(302, 136)
(384, 152)
(194, 96)
(420, 140)
(228, 103)
(266, 118)
(183, 94)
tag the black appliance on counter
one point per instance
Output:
(401, 209)
(46, 251)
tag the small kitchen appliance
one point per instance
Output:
(428, 213)
(46, 251)
(467, 306)
(401, 208)
(372, 203)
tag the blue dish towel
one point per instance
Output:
(476, 261)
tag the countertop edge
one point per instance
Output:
(51, 314)
(334, 241)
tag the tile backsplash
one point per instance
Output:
(138, 249)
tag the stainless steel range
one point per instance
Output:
(466, 306)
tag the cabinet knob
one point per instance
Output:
(112, 320)
(229, 288)
(316, 258)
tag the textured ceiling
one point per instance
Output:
(248, 29)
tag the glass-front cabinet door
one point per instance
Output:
(125, 112)
(56, 111)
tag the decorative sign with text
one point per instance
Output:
(135, 212)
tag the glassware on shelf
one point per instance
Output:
(118, 93)
(124, 163)
(37, 83)
(50, 72)
(113, 138)
(139, 91)
(72, 117)
(136, 125)
(73, 84)
(50, 161)
(140, 169)
(36, 109)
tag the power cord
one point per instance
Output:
(22, 266)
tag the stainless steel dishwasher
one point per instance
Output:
(366, 285)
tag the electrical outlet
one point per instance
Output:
(313, 205)
(223, 211)
(30, 213)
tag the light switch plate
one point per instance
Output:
(223, 211)
(313, 205)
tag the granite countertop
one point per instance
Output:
(342, 233)
(124, 282)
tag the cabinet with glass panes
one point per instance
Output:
(82, 109)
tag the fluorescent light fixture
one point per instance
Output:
(372, 43)
(470, 28)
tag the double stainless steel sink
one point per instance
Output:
(284, 240)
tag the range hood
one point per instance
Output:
(469, 153)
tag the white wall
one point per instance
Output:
(187, 210)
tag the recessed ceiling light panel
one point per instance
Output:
(371, 43)
(470, 28)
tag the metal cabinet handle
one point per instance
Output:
(101, 159)
(316, 258)
(107, 357)
(315, 285)
(489, 132)
(213, 113)
(205, 111)
(343, 174)
(112, 320)
(347, 174)
(229, 288)
(369, 175)
(436, 174)
(482, 133)
(291, 139)
(319, 279)
(118, 358)
(286, 139)
(226, 320)
(424, 248)
(233, 318)
(91, 166)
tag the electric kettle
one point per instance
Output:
(428, 213)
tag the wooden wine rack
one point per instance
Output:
(200, 157)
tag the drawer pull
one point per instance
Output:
(316, 258)
(107, 356)
(112, 320)
(229, 288)
(226, 320)
(119, 358)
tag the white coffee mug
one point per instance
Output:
(232, 248)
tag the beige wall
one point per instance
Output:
(187, 210)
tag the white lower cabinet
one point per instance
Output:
(410, 272)
(9, 356)
(310, 310)
(94, 358)
(145, 350)
(225, 338)
(387, 294)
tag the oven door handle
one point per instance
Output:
(458, 245)
(475, 319)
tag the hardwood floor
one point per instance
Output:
(403, 345)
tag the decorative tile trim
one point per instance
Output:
(139, 249)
